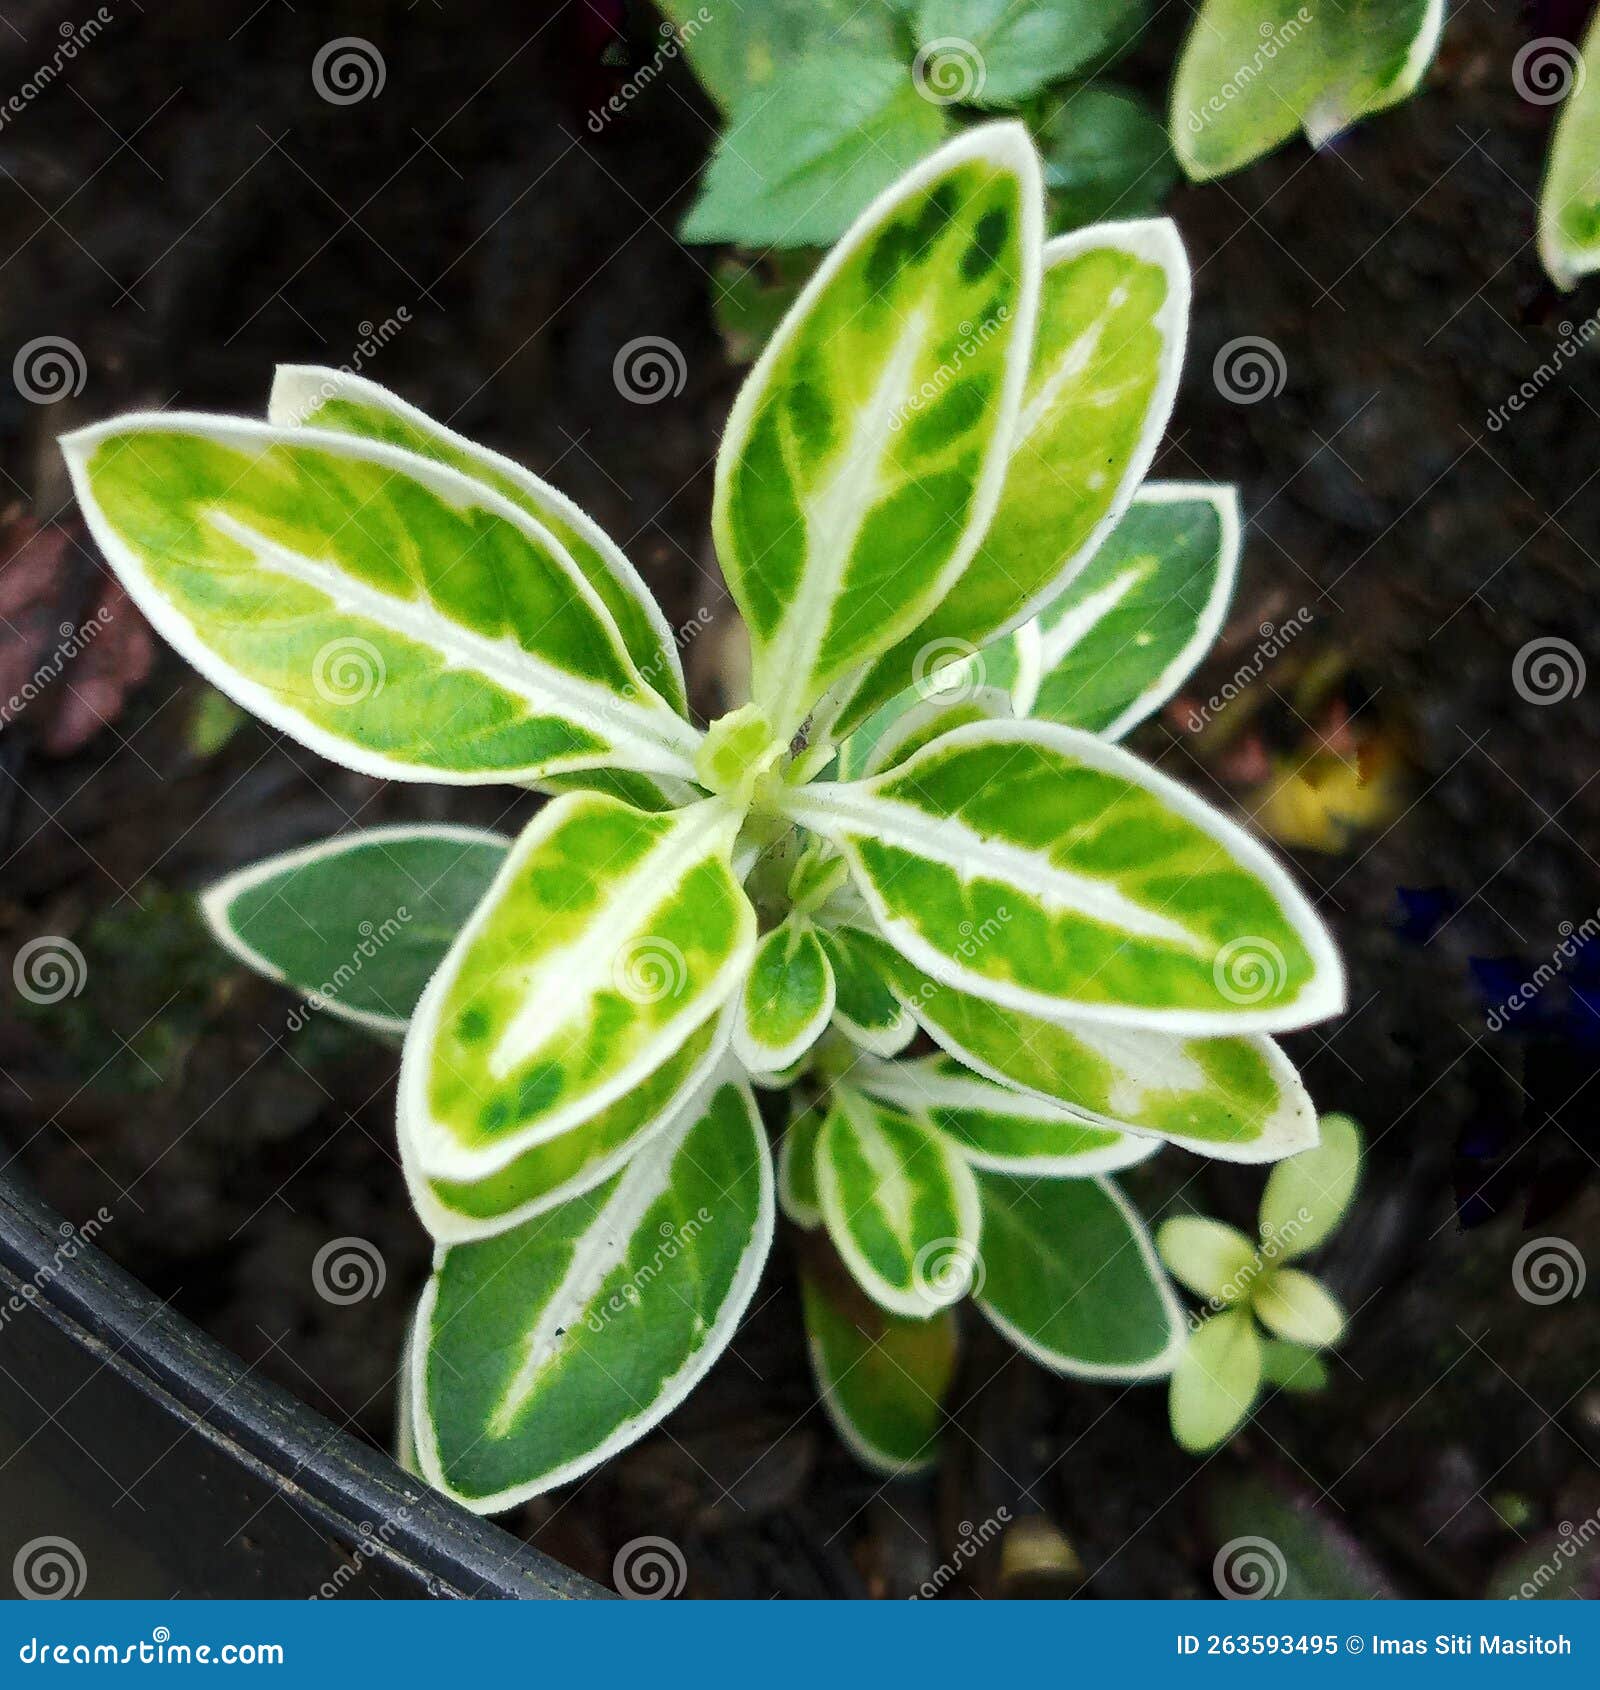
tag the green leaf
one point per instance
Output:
(1255, 71)
(1051, 873)
(311, 396)
(736, 46)
(607, 938)
(865, 1008)
(1307, 1196)
(865, 451)
(558, 1169)
(1071, 1278)
(1239, 1100)
(1113, 320)
(392, 614)
(1207, 1257)
(804, 156)
(901, 1206)
(921, 722)
(1215, 1383)
(1292, 1367)
(999, 1129)
(787, 999)
(797, 1165)
(545, 1350)
(998, 52)
(357, 924)
(1106, 155)
(1298, 1307)
(882, 1377)
(1569, 204)
(1123, 638)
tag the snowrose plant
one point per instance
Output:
(958, 597)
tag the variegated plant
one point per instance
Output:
(922, 826)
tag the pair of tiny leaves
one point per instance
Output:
(933, 1186)
(1226, 1360)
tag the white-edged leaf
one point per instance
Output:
(901, 1207)
(1071, 1278)
(787, 998)
(608, 937)
(1307, 1196)
(394, 615)
(545, 1350)
(1051, 873)
(357, 923)
(1237, 1099)
(1121, 640)
(997, 1128)
(865, 452)
(1113, 323)
(882, 1377)
(797, 1165)
(1569, 203)
(1295, 1306)
(1215, 1382)
(312, 396)
(865, 1007)
(1253, 72)
(555, 1170)
(1208, 1257)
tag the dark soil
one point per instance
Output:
(184, 208)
